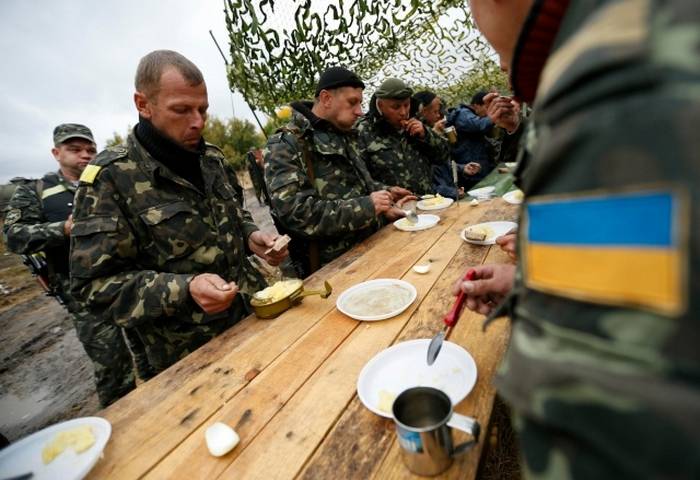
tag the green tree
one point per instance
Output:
(234, 136)
(117, 139)
(488, 77)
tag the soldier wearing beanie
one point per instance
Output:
(322, 194)
(397, 149)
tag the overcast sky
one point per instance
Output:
(74, 61)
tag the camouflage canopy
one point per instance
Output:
(278, 49)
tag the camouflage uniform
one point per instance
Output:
(396, 158)
(336, 210)
(35, 225)
(605, 383)
(142, 233)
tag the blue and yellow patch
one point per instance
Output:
(616, 249)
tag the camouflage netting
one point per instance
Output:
(279, 48)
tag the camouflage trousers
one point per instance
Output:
(604, 443)
(106, 346)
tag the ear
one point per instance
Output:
(142, 104)
(325, 97)
(54, 152)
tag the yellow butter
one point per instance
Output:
(79, 439)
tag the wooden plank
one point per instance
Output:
(191, 391)
(356, 446)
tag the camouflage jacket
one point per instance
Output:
(142, 233)
(35, 224)
(336, 209)
(395, 158)
(606, 301)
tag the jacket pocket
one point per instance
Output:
(176, 230)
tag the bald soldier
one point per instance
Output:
(39, 223)
(161, 239)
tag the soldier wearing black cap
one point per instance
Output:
(38, 226)
(398, 150)
(322, 194)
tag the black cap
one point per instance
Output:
(424, 98)
(336, 77)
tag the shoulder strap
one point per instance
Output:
(39, 187)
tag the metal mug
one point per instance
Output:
(451, 134)
(424, 418)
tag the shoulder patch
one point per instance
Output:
(89, 174)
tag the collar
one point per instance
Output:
(534, 46)
(304, 108)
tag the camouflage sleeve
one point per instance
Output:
(247, 222)
(296, 202)
(361, 144)
(25, 229)
(105, 273)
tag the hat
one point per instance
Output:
(336, 77)
(393, 88)
(66, 131)
(424, 98)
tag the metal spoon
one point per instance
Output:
(450, 320)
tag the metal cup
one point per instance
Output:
(451, 134)
(423, 417)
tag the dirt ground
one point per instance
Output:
(45, 376)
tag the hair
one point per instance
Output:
(152, 66)
(478, 97)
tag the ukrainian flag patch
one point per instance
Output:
(623, 249)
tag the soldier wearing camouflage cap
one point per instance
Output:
(161, 239)
(322, 194)
(399, 150)
(603, 370)
(39, 223)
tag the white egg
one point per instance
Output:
(220, 439)
(474, 202)
(421, 268)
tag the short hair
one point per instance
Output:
(152, 66)
(478, 97)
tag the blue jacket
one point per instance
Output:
(471, 145)
(443, 182)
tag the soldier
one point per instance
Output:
(39, 223)
(322, 194)
(603, 369)
(160, 236)
(254, 162)
(398, 150)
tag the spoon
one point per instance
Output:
(450, 321)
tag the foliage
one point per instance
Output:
(277, 55)
(234, 136)
(118, 139)
(488, 77)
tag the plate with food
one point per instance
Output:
(272, 301)
(514, 196)
(486, 233)
(482, 193)
(438, 202)
(403, 366)
(425, 221)
(377, 299)
(67, 450)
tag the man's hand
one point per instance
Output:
(460, 192)
(491, 284)
(502, 111)
(508, 243)
(260, 243)
(382, 201)
(439, 126)
(68, 225)
(394, 213)
(397, 193)
(212, 293)
(472, 168)
(414, 128)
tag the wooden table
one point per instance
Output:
(287, 385)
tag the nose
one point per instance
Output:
(197, 121)
(357, 111)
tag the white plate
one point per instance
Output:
(511, 197)
(446, 202)
(370, 285)
(511, 164)
(481, 191)
(405, 365)
(25, 455)
(425, 221)
(499, 229)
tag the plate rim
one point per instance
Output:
(448, 202)
(510, 200)
(99, 445)
(425, 227)
(463, 236)
(376, 318)
(405, 344)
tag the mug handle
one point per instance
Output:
(467, 425)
